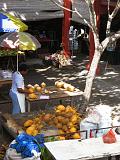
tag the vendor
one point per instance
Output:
(17, 91)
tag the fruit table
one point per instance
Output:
(91, 148)
(5, 81)
(54, 93)
(5, 77)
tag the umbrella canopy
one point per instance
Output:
(9, 23)
(20, 41)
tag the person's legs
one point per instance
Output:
(15, 103)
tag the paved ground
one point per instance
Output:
(106, 87)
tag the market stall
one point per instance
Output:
(54, 93)
(61, 90)
(61, 122)
(5, 77)
(62, 133)
(62, 149)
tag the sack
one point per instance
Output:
(11, 154)
(109, 137)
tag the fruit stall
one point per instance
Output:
(61, 133)
(61, 90)
(62, 121)
(60, 126)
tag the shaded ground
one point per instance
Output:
(106, 87)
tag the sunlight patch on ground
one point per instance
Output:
(73, 78)
(106, 91)
(111, 95)
(102, 77)
(65, 78)
(117, 90)
(108, 77)
(111, 73)
(60, 74)
(51, 78)
(102, 94)
(82, 73)
(43, 69)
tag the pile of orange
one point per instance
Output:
(65, 119)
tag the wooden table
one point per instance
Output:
(5, 81)
(92, 148)
(55, 93)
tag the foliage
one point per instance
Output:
(45, 154)
(4, 53)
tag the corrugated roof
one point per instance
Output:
(30, 10)
(35, 10)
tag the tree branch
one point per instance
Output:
(92, 15)
(111, 16)
(112, 37)
(73, 11)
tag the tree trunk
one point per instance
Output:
(89, 81)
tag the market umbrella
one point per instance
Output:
(9, 23)
(19, 40)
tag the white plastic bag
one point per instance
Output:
(105, 118)
(87, 126)
(11, 154)
(98, 117)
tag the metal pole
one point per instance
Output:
(17, 61)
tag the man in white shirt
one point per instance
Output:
(17, 91)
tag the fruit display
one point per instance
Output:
(31, 90)
(65, 86)
(36, 88)
(59, 84)
(65, 119)
(39, 89)
(36, 85)
(34, 126)
(43, 85)
(32, 96)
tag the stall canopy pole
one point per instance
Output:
(66, 27)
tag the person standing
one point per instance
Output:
(18, 91)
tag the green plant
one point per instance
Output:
(7, 52)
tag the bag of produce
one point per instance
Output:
(109, 137)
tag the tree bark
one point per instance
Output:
(90, 77)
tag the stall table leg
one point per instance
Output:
(28, 106)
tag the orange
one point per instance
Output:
(76, 136)
(73, 129)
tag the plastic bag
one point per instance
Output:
(87, 126)
(109, 137)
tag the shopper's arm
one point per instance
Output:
(20, 90)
